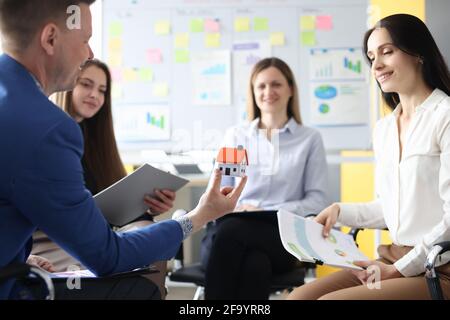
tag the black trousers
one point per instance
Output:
(244, 254)
(114, 288)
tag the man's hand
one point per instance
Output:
(41, 262)
(247, 207)
(161, 204)
(216, 201)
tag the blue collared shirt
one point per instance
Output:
(289, 172)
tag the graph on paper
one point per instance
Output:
(337, 64)
(142, 122)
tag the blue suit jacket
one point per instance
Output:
(41, 186)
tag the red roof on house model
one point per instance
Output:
(232, 155)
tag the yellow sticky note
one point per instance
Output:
(212, 40)
(115, 45)
(146, 74)
(308, 38)
(130, 75)
(162, 27)
(242, 24)
(115, 59)
(182, 56)
(116, 91)
(161, 90)
(277, 39)
(115, 29)
(261, 24)
(308, 23)
(181, 40)
(197, 25)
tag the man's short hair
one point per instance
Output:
(21, 19)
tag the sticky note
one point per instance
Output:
(308, 38)
(116, 74)
(197, 25)
(146, 74)
(162, 27)
(154, 56)
(115, 44)
(277, 39)
(182, 40)
(212, 40)
(242, 24)
(307, 23)
(261, 24)
(115, 59)
(130, 75)
(161, 89)
(116, 91)
(212, 26)
(324, 22)
(182, 56)
(115, 29)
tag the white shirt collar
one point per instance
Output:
(432, 100)
(290, 126)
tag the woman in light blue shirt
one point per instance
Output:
(287, 170)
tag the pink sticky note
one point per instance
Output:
(212, 26)
(154, 56)
(116, 74)
(324, 22)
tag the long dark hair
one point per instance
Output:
(101, 155)
(293, 109)
(412, 36)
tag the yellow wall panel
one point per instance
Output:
(357, 182)
(383, 8)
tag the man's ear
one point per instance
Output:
(49, 36)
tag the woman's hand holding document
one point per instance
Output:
(304, 238)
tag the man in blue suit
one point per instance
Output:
(41, 181)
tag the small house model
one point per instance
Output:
(232, 161)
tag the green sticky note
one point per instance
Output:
(308, 38)
(308, 23)
(261, 24)
(115, 29)
(182, 56)
(197, 25)
(146, 74)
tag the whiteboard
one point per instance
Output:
(159, 52)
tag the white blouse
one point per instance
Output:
(289, 172)
(412, 194)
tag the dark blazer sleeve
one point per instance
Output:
(50, 192)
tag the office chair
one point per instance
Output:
(432, 277)
(195, 274)
(30, 275)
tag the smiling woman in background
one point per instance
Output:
(412, 153)
(288, 170)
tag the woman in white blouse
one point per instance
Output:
(412, 153)
(287, 169)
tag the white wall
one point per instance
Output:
(96, 40)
